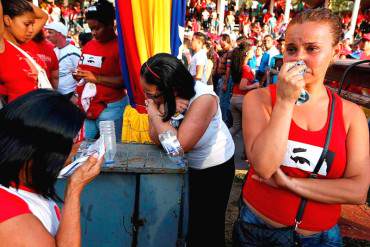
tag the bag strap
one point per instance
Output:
(302, 205)
(45, 83)
(31, 59)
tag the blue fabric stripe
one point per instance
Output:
(177, 19)
(124, 68)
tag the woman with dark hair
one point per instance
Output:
(243, 77)
(20, 21)
(306, 159)
(204, 137)
(101, 91)
(36, 137)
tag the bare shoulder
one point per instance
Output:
(33, 232)
(352, 113)
(259, 97)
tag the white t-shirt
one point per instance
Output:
(68, 58)
(216, 146)
(205, 15)
(199, 58)
(272, 53)
(55, 14)
(254, 4)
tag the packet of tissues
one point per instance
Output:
(97, 147)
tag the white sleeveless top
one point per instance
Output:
(216, 146)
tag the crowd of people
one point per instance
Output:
(306, 160)
(261, 36)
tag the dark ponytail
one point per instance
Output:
(237, 60)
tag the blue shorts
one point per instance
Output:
(331, 237)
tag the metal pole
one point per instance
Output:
(221, 15)
(355, 10)
(272, 3)
(288, 5)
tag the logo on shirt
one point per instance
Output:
(91, 60)
(305, 157)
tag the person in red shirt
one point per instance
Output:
(284, 142)
(45, 51)
(365, 46)
(19, 23)
(101, 91)
(242, 81)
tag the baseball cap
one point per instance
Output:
(58, 27)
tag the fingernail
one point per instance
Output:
(96, 155)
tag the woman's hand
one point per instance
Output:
(86, 75)
(86, 173)
(181, 105)
(152, 108)
(291, 82)
(278, 180)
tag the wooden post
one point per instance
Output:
(326, 4)
(356, 7)
(288, 5)
(271, 9)
(221, 15)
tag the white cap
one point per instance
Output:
(58, 27)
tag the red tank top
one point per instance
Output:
(303, 151)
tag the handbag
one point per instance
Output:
(246, 234)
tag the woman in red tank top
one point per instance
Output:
(20, 21)
(284, 142)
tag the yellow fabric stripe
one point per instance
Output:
(152, 25)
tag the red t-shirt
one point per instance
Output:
(303, 151)
(45, 51)
(102, 59)
(16, 72)
(246, 74)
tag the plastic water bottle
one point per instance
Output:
(172, 146)
(107, 131)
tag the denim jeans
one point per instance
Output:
(331, 237)
(114, 111)
(225, 98)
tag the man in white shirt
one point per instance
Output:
(197, 67)
(68, 56)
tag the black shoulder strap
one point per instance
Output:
(299, 216)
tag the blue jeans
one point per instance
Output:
(225, 98)
(331, 237)
(114, 111)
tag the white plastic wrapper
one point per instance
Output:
(97, 147)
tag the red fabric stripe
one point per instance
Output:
(132, 55)
(11, 206)
(57, 212)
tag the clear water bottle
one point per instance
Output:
(172, 146)
(107, 131)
